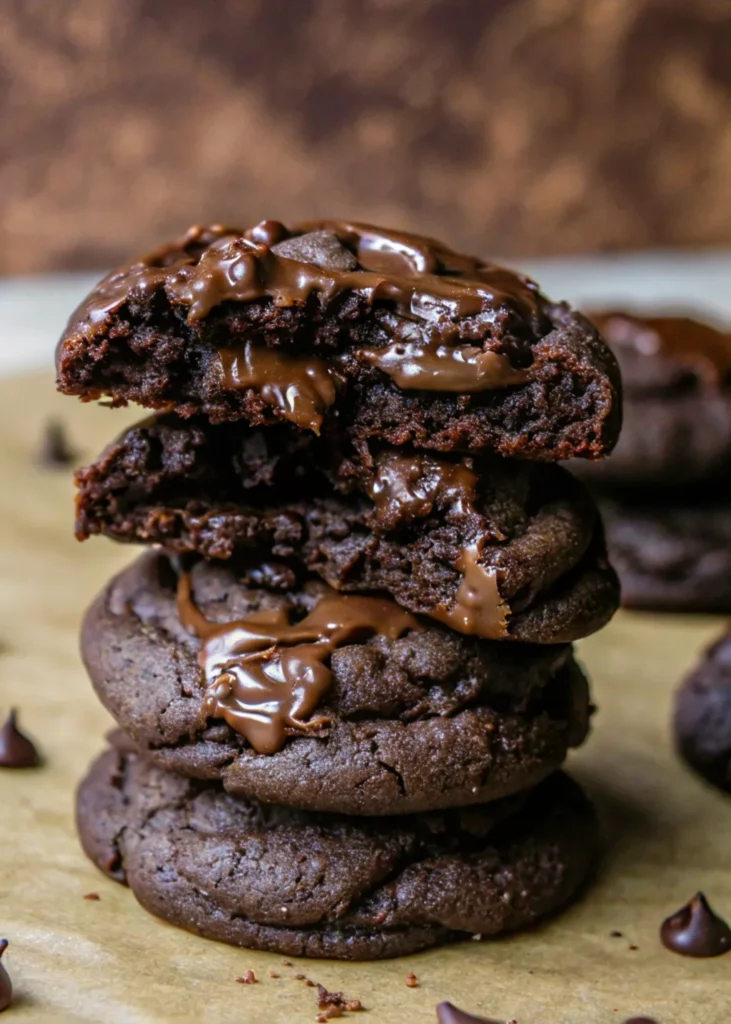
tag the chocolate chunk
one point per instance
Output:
(447, 1013)
(16, 750)
(55, 451)
(695, 930)
(640, 1020)
(6, 985)
(322, 248)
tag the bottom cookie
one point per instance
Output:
(702, 717)
(670, 557)
(328, 885)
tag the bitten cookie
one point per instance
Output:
(292, 693)
(702, 717)
(393, 335)
(504, 549)
(327, 886)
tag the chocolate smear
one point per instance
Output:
(16, 750)
(265, 677)
(695, 930)
(6, 985)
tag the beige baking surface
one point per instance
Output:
(108, 961)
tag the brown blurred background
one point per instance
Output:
(519, 127)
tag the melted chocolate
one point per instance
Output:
(301, 389)
(265, 676)
(16, 750)
(6, 985)
(695, 930)
(686, 341)
(407, 487)
(447, 1013)
(478, 610)
(431, 366)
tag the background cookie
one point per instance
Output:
(702, 716)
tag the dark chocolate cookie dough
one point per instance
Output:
(670, 556)
(292, 693)
(394, 336)
(702, 717)
(676, 375)
(500, 548)
(326, 886)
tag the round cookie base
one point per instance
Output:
(332, 886)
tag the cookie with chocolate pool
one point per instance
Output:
(290, 692)
(393, 336)
(504, 549)
(325, 885)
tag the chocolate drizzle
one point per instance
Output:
(408, 486)
(16, 750)
(700, 346)
(695, 930)
(265, 676)
(6, 985)
(447, 1013)
(300, 388)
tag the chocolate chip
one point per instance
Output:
(411, 980)
(16, 750)
(695, 930)
(55, 450)
(6, 985)
(321, 248)
(92, 896)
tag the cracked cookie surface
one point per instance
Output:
(327, 886)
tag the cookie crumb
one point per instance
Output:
(92, 896)
(300, 977)
(616, 935)
(411, 980)
(287, 963)
(634, 947)
(247, 978)
(309, 982)
(273, 974)
(330, 1013)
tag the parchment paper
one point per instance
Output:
(109, 961)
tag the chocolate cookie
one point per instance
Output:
(330, 886)
(702, 717)
(395, 336)
(676, 375)
(670, 557)
(500, 548)
(293, 693)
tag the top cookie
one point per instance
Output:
(399, 337)
(676, 373)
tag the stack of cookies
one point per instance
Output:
(342, 670)
(663, 493)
